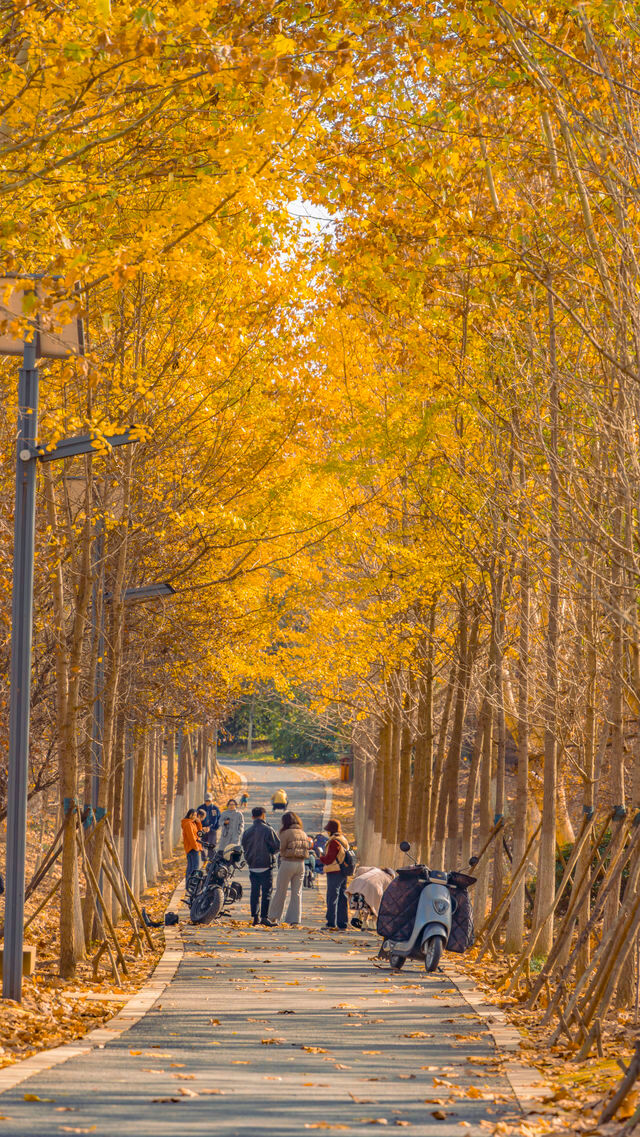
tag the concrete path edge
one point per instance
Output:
(527, 1083)
(133, 1010)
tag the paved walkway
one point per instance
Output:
(279, 1031)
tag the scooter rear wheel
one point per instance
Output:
(432, 952)
(396, 962)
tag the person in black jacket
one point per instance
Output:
(209, 839)
(260, 844)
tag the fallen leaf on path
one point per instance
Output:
(314, 1050)
(34, 1097)
(324, 1125)
(362, 1101)
(439, 1114)
(272, 1041)
(162, 1101)
(186, 1093)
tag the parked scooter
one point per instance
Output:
(214, 888)
(432, 920)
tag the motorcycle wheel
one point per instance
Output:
(432, 952)
(206, 906)
(396, 962)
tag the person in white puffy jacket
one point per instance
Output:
(231, 825)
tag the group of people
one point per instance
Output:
(290, 848)
(203, 827)
(261, 844)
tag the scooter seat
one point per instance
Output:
(412, 871)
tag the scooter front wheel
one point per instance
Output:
(396, 961)
(432, 952)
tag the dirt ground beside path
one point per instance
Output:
(53, 1010)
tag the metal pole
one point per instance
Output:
(20, 676)
(127, 811)
(97, 733)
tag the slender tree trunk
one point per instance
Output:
(545, 888)
(181, 788)
(588, 800)
(515, 924)
(167, 841)
(486, 817)
(472, 784)
(440, 751)
(406, 739)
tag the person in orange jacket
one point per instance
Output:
(192, 846)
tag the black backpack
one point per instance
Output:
(348, 863)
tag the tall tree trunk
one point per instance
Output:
(515, 924)
(486, 814)
(472, 784)
(545, 887)
(404, 787)
(441, 748)
(167, 837)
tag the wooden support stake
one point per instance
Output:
(102, 915)
(610, 880)
(116, 858)
(530, 947)
(494, 918)
(632, 1073)
(581, 888)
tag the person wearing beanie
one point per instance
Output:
(332, 859)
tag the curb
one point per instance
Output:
(528, 1085)
(243, 780)
(135, 1009)
(328, 799)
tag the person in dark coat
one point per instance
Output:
(212, 823)
(260, 844)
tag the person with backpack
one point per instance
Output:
(260, 843)
(339, 863)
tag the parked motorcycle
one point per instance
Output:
(213, 888)
(418, 912)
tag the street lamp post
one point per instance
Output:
(37, 342)
(20, 674)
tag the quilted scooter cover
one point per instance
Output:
(398, 908)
